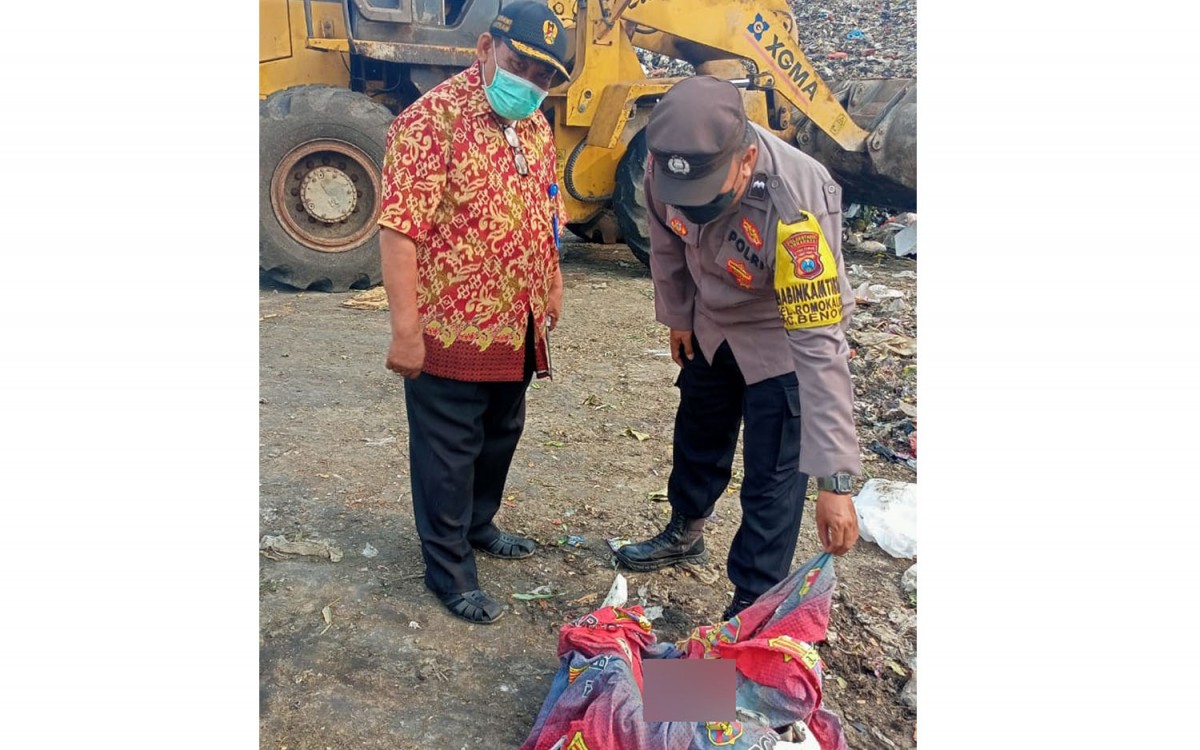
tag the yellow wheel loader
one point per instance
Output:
(334, 74)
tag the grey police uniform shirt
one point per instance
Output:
(720, 281)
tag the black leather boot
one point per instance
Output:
(682, 541)
(741, 600)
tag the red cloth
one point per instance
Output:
(623, 631)
(595, 702)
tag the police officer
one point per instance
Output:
(745, 236)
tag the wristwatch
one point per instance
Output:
(839, 483)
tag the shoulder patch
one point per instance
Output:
(807, 288)
(758, 186)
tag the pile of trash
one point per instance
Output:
(595, 699)
(859, 38)
(883, 366)
(661, 66)
(871, 230)
(842, 38)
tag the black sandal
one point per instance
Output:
(507, 546)
(473, 606)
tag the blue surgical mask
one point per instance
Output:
(511, 96)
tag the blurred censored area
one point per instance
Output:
(689, 690)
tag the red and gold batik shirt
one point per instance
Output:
(486, 255)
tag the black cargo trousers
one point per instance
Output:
(713, 400)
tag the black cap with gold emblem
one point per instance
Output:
(532, 30)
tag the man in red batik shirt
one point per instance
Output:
(471, 270)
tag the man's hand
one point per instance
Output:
(406, 356)
(398, 255)
(554, 300)
(681, 340)
(837, 523)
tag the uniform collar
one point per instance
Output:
(757, 195)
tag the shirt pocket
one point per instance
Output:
(741, 259)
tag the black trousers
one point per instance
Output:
(461, 440)
(713, 400)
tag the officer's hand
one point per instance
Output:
(837, 523)
(554, 301)
(681, 339)
(406, 356)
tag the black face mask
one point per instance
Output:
(709, 211)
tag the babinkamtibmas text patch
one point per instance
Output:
(806, 281)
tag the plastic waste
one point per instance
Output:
(906, 241)
(887, 516)
(618, 593)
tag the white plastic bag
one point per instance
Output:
(906, 240)
(887, 516)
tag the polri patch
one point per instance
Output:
(678, 227)
(753, 236)
(739, 272)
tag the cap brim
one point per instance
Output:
(692, 192)
(535, 53)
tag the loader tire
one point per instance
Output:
(321, 154)
(629, 198)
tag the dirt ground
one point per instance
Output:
(356, 654)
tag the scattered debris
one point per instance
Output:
(658, 496)
(616, 543)
(906, 241)
(701, 572)
(887, 516)
(908, 581)
(280, 548)
(653, 613)
(369, 551)
(541, 592)
(908, 696)
(594, 401)
(868, 293)
(585, 600)
(618, 593)
(895, 343)
(641, 436)
(881, 737)
(372, 299)
(891, 455)
(574, 541)
(414, 624)
(377, 442)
